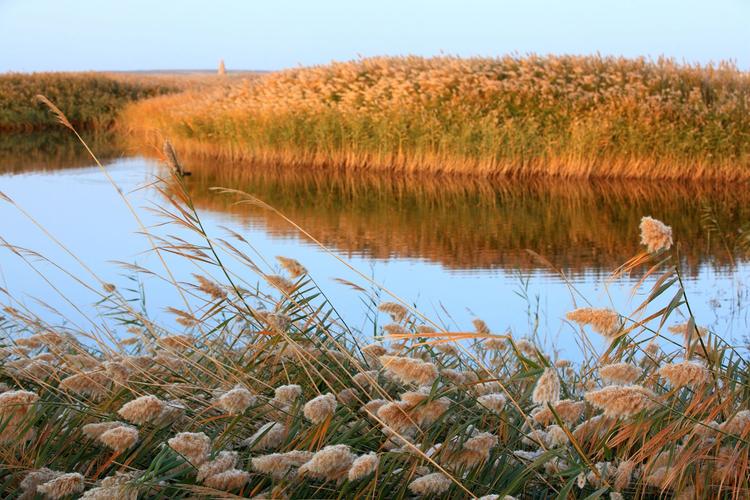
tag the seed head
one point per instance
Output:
(410, 370)
(193, 446)
(431, 484)
(655, 235)
(363, 466)
(365, 379)
(210, 288)
(176, 342)
(36, 477)
(294, 268)
(236, 401)
(738, 424)
(232, 479)
(320, 408)
(494, 402)
(14, 407)
(568, 410)
(556, 436)
(62, 486)
(119, 438)
(278, 465)
(622, 401)
(685, 374)
(281, 283)
(480, 326)
(91, 383)
(372, 407)
(620, 373)
(270, 435)
(547, 388)
(396, 311)
(95, 430)
(224, 461)
(347, 396)
(623, 474)
(141, 410)
(331, 463)
(474, 450)
(287, 394)
(603, 321)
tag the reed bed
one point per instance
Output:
(90, 100)
(562, 116)
(258, 389)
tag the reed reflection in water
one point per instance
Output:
(455, 247)
(466, 224)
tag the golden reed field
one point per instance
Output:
(252, 386)
(564, 116)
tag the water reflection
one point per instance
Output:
(54, 150)
(475, 224)
(452, 246)
(460, 223)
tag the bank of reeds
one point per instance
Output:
(90, 100)
(259, 389)
(565, 116)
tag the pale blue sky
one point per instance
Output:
(40, 35)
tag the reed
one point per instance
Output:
(90, 100)
(562, 116)
(259, 389)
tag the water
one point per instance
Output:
(457, 249)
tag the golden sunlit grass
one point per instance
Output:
(567, 116)
(259, 389)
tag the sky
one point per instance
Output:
(66, 35)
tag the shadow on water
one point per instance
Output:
(54, 150)
(461, 223)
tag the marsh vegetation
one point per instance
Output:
(523, 116)
(253, 384)
(259, 389)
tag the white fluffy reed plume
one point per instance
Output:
(410, 370)
(363, 466)
(143, 409)
(270, 435)
(620, 373)
(330, 463)
(278, 465)
(194, 446)
(320, 408)
(603, 321)
(547, 389)
(432, 484)
(119, 438)
(685, 374)
(62, 486)
(622, 401)
(236, 400)
(655, 234)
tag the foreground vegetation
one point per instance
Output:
(90, 100)
(259, 389)
(566, 116)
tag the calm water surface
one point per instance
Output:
(455, 248)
